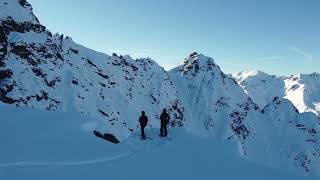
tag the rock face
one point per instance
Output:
(45, 71)
(301, 89)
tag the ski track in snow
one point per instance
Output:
(64, 164)
(134, 148)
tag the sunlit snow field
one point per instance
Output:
(51, 145)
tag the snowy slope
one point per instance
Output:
(301, 89)
(296, 135)
(82, 156)
(39, 70)
(45, 71)
(17, 10)
(260, 86)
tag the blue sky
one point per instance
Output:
(278, 37)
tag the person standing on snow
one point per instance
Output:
(164, 118)
(143, 120)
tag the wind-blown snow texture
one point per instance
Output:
(51, 72)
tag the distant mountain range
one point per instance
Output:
(301, 89)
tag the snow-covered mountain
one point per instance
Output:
(260, 86)
(213, 102)
(294, 135)
(301, 89)
(46, 71)
(43, 71)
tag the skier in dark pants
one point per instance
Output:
(164, 118)
(143, 123)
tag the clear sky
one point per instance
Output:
(276, 36)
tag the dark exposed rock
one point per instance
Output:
(103, 113)
(38, 72)
(75, 82)
(59, 56)
(6, 88)
(10, 25)
(5, 74)
(237, 125)
(193, 54)
(6, 99)
(51, 83)
(2, 64)
(109, 137)
(222, 102)
(122, 62)
(178, 116)
(153, 98)
(24, 3)
(74, 51)
(304, 161)
(23, 52)
(102, 84)
(91, 63)
(3, 46)
(103, 75)
(44, 95)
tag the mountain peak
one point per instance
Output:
(196, 63)
(196, 57)
(243, 75)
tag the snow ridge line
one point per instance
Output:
(64, 164)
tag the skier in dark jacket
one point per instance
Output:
(143, 120)
(164, 118)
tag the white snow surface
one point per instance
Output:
(19, 13)
(301, 89)
(42, 71)
(39, 144)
